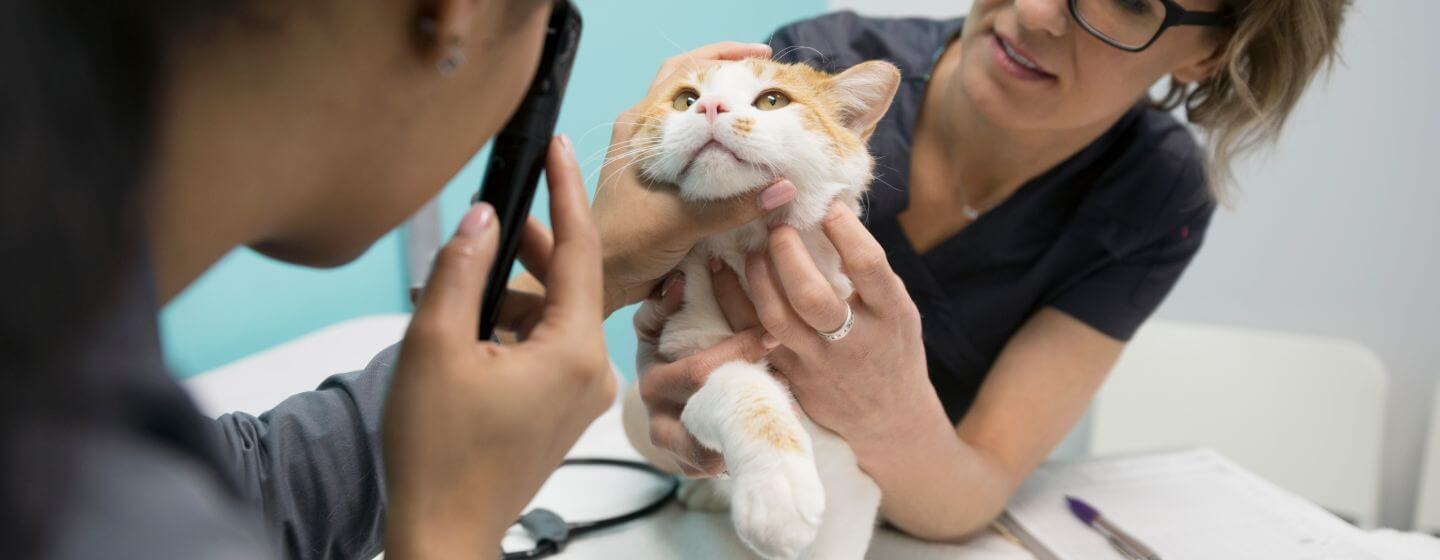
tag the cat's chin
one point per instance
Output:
(720, 185)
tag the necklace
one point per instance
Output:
(972, 213)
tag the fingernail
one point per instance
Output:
(477, 220)
(769, 341)
(715, 264)
(565, 143)
(779, 194)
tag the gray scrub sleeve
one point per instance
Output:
(313, 465)
(309, 475)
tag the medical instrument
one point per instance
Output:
(518, 153)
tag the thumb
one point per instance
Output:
(716, 218)
(451, 300)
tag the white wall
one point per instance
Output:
(1336, 231)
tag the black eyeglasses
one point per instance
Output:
(1134, 25)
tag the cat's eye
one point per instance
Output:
(685, 99)
(771, 100)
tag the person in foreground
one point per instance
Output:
(141, 142)
(1031, 209)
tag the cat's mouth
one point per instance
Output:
(712, 145)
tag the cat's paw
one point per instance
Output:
(706, 494)
(777, 508)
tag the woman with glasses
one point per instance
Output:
(1034, 204)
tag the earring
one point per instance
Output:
(454, 57)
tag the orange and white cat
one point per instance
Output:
(795, 489)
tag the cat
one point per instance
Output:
(794, 488)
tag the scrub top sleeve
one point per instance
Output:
(1120, 295)
(313, 464)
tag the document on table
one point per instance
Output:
(1192, 504)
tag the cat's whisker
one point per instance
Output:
(634, 142)
(691, 63)
(625, 145)
(882, 181)
(592, 129)
(619, 151)
(622, 146)
(792, 48)
(622, 170)
(628, 152)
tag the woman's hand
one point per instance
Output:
(473, 428)
(869, 386)
(648, 228)
(666, 386)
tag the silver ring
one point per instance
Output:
(837, 334)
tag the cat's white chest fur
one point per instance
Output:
(795, 489)
(701, 324)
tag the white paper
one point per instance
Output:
(1185, 505)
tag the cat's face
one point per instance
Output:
(729, 128)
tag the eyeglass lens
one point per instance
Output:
(1131, 23)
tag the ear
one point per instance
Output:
(864, 93)
(1202, 69)
(447, 29)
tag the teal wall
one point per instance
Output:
(247, 303)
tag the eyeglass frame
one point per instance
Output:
(1175, 16)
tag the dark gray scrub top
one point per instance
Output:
(1103, 236)
(152, 478)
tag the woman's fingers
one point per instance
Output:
(574, 276)
(708, 219)
(864, 260)
(728, 50)
(775, 313)
(668, 433)
(650, 321)
(520, 312)
(650, 318)
(750, 346)
(450, 304)
(808, 291)
(734, 304)
(674, 383)
(536, 246)
(731, 50)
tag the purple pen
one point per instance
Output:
(1122, 541)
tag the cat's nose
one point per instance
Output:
(712, 108)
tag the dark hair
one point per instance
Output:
(77, 122)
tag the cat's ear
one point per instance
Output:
(864, 93)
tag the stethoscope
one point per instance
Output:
(551, 532)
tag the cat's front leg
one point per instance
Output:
(852, 500)
(777, 500)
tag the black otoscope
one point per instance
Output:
(518, 153)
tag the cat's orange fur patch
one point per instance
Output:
(765, 424)
(743, 125)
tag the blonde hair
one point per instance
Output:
(1269, 56)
